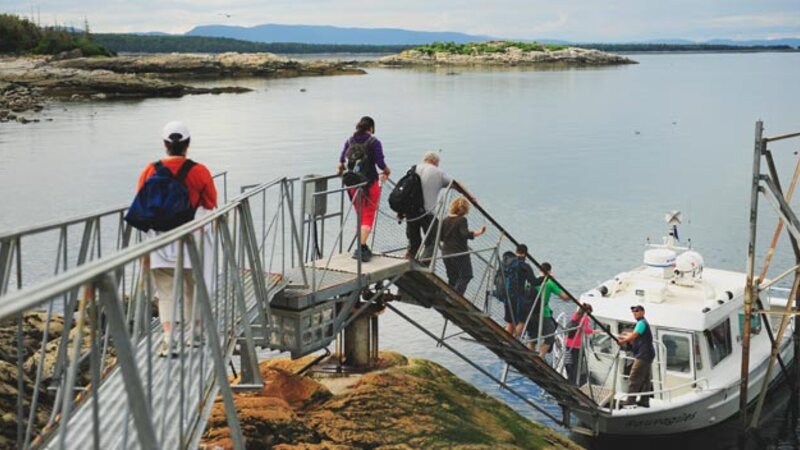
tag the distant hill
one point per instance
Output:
(791, 42)
(727, 42)
(319, 34)
(163, 43)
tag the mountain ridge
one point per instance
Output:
(330, 34)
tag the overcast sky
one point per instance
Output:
(574, 20)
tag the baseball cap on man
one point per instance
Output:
(175, 131)
(637, 308)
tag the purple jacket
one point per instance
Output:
(377, 154)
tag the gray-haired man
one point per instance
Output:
(433, 179)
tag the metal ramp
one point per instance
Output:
(429, 290)
(194, 371)
(313, 291)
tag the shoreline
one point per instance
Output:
(28, 83)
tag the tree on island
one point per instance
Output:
(19, 35)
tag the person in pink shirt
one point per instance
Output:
(579, 325)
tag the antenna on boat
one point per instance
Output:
(673, 219)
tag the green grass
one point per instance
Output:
(479, 48)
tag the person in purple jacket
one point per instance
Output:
(372, 193)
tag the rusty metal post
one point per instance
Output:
(751, 289)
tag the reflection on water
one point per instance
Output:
(579, 164)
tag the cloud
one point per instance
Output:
(782, 19)
(578, 20)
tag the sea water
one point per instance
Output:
(581, 164)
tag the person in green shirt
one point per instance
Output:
(548, 288)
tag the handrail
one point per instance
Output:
(494, 222)
(54, 224)
(120, 286)
(33, 296)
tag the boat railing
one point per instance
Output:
(701, 383)
(614, 380)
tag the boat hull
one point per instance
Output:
(704, 409)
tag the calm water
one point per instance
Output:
(580, 164)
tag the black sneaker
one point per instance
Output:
(366, 254)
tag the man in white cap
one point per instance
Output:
(202, 196)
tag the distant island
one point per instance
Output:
(501, 53)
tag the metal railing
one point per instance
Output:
(33, 253)
(109, 354)
(241, 256)
(609, 369)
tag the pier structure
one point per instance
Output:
(272, 271)
(766, 184)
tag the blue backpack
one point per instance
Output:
(163, 201)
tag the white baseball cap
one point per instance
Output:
(173, 128)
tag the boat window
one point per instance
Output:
(719, 342)
(678, 353)
(755, 323)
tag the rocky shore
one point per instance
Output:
(189, 66)
(33, 333)
(27, 84)
(510, 56)
(404, 404)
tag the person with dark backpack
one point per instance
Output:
(514, 285)
(406, 197)
(361, 155)
(170, 192)
(415, 198)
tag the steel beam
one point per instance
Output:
(145, 428)
(215, 346)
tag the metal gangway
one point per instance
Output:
(272, 272)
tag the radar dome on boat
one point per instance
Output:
(690, 261)
(659, 257)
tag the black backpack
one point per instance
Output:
(406, 198)
(514, 278)
(163, 201)
(357, 159)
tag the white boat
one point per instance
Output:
(696, 316)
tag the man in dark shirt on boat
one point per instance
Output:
(641, 340)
